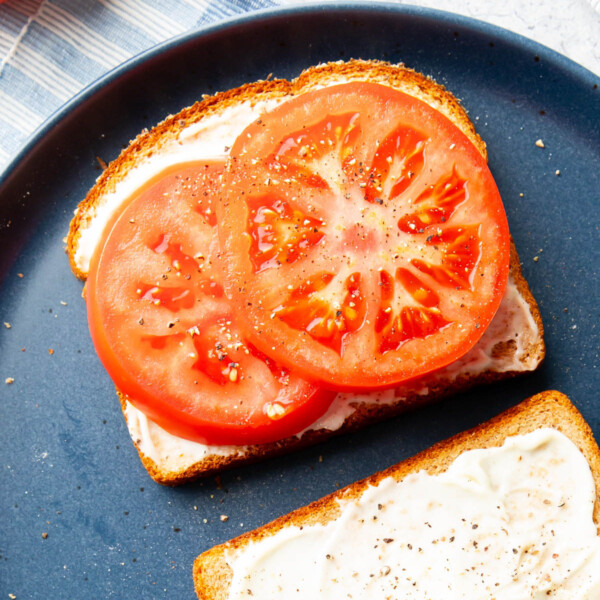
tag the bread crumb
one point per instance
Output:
(9, 380)
(224, 518)
(50, 351)
(20, 275)
(557, 172)
(44, 536)
(540, 143)
(12, 597)
(536, 258)
(7, 325)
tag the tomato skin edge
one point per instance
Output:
(314, 400)
(201, 431)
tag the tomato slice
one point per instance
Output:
(166, 333)
(366, 241)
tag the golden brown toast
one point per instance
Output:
(151, 142)
(513, 344)
(551, 409)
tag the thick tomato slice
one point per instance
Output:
(166, 333)
(365, 239)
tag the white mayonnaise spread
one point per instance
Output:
(508, 523)
(211, 138)
(169, 452)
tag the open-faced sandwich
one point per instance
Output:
(288, 260)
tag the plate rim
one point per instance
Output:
(474, 25)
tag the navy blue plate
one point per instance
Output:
(68, 468)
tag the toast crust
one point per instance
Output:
(553, 409)
(151, 142)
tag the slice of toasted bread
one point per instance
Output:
(513, 343)
(376, 495)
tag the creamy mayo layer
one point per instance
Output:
(210, 139)
(508, 523)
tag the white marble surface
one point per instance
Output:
(571, 27)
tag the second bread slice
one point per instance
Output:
(507, 510)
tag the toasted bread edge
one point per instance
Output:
(212, 574)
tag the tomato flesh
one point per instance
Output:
(365, 239)
(166, 332)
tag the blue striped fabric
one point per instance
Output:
(51, 49)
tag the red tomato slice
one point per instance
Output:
(365, 239)
(166, 333)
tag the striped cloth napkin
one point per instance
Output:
(51, 49)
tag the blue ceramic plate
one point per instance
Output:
(68, 467)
